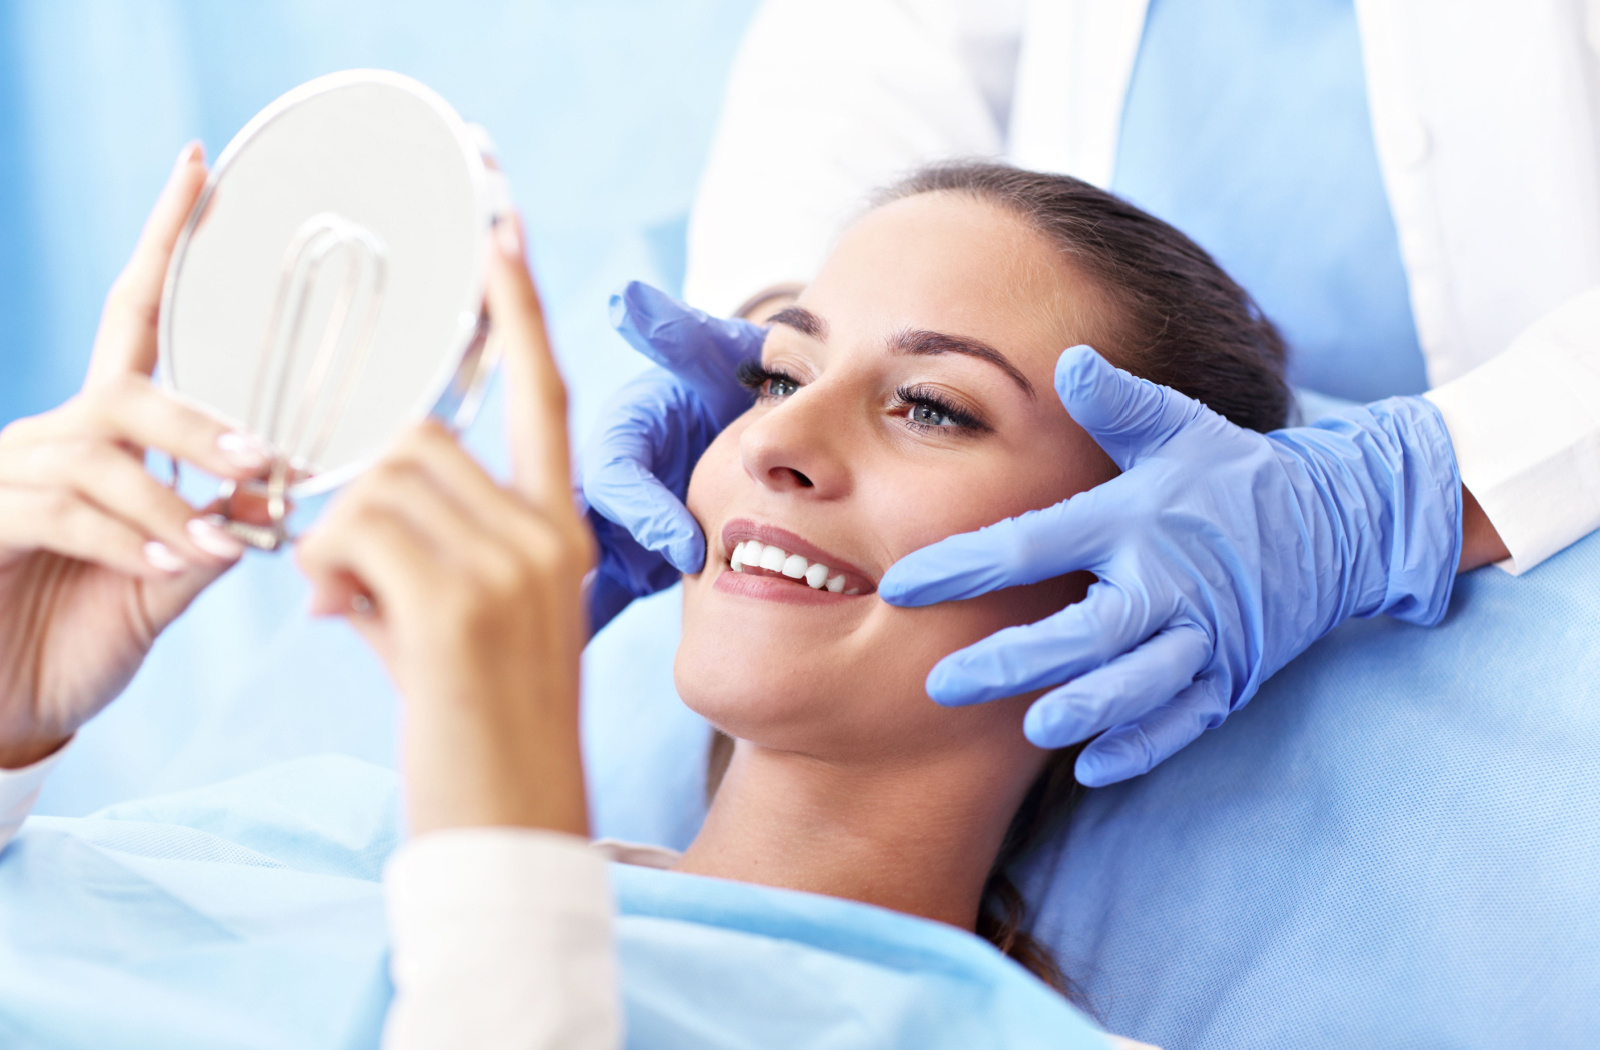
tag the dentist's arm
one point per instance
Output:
(1222, 555)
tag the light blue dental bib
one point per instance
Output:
(250, 915)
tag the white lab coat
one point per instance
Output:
(1486, 115)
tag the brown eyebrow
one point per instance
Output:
(918, 341)
(921, 341)
(801, 320)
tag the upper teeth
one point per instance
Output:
(766, 556)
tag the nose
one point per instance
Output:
(795, 447)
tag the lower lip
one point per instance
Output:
(775, 589)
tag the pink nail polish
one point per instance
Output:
(188, 154)
(245, 451)
(214, 541)
(508, 237)
(161, 556)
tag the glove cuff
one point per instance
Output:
(1425, 546)
(1400, 502)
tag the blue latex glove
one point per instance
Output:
(1221, 554)
(636, 467)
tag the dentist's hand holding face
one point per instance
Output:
(1220, 553)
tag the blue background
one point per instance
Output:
(603, 112)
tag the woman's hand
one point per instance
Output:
(470, 592)
(97, 556)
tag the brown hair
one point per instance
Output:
(1182, 322)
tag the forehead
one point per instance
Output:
(950, 263)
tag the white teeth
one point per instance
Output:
(794, 566)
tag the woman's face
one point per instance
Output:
(907, 396)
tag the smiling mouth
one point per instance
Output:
(760, 556)
(765, 559)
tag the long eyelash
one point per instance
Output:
(917, 395)
(753, 375)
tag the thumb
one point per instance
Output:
(1127, 416)
(703, 351)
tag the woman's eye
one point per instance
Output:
(766, 383)
(931, 416)
(779, 386)
(926, 409)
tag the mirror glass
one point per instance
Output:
(328, 287)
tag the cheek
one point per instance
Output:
(716, 476)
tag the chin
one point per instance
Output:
(795, 678)
(757, 682)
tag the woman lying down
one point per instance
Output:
(909, 394)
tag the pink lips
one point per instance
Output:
(762, 584)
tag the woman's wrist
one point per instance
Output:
(20, 750)
(516, 764)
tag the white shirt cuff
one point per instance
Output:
(1526, 431)
(501, 937)
(19, 790)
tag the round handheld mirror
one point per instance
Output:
(327, 290)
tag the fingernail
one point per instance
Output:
(189, 154)
(245, 451)
(214, 541)
(161, 556)
(509, 237)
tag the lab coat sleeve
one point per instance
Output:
(1526, 431)
(827, 101)
(501, 937)
(19, 790)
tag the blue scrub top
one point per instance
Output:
(1246, 126)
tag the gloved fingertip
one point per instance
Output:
(947, 686)
(1078, 369)
(1054, 721)
(1095, 769)
(687, 555)
(636, 305)
(896, 589)
(1041, 726)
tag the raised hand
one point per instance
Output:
(96, 556)
(1220, 554)
(470, 592)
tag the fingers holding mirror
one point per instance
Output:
(126, 341)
